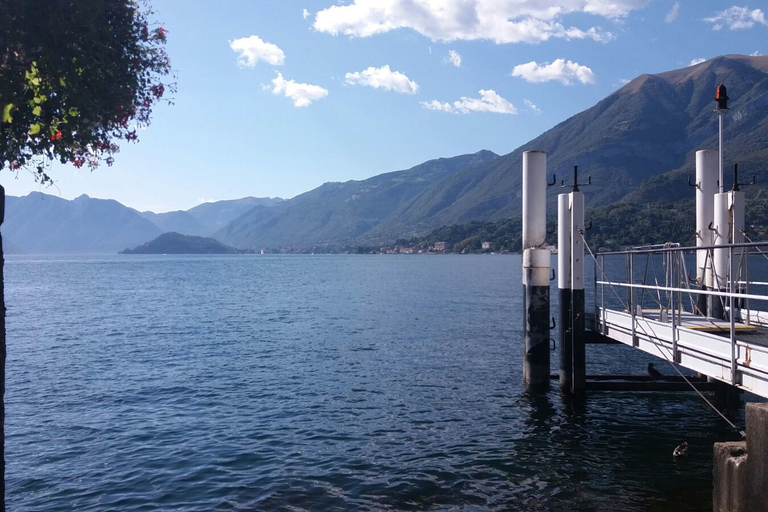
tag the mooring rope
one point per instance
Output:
(756, 248)
(653, 335)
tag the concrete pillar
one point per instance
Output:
(579, 357)
(740, 472)
(536, 261)
(564, 290)
(706, 187)
(534, 199)
(720, 236)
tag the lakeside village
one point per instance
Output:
(485, 247)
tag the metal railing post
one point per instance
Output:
(732, 318)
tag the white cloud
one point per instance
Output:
(737, 18)
(755, 53)
(501, 21)
(454, 58)
(382, 78)
(489, 101)
(253, 49)
(673, 13)
(305, 14)
(530, 105)
(301, 94)
(562, 70)
(697, 60)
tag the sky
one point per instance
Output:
(277, 97)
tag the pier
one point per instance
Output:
(697, 305)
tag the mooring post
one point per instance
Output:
(579, 357)
(706, 187)
(720, 234)
(536, 263)
(564, 289)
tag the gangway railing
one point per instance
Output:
(661, 309)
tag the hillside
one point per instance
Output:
(337, 212)
(175, 243)
(635, 144)
(651, 126)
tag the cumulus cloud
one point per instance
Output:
(454, 58)
(697, 60)
(301, 94)
(737, 18)
(305, 14)
(489, 101)
(501, 21)
(530, 105)
(561, 70)
(253, 49)
(673, 13)
(382, 78)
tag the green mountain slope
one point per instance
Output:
(650, 127)
(337, 212)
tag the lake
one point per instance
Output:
(333, 382)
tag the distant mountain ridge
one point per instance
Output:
(43, 223)
(206, 218)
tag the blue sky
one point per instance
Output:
(276, 97)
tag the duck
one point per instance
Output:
(653, 372)
(682, 450)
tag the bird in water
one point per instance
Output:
(681, 451)
(653, 372)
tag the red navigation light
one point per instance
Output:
(721, 98)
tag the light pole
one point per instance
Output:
(721, 98)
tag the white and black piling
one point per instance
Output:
(536, 258)
(720, 236)
(570, 260)
(706, 187)
(564, 290)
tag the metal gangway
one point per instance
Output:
(648, 298)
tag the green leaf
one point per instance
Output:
(37, 111)
(73, 112)
(35, 129)
(7, 113)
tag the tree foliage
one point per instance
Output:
(76, 77)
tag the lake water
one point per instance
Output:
(318, 383)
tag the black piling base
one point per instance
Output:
(566, 341)
(579, 357)
(536, 336)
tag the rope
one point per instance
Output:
(664, 356)
(757, 248)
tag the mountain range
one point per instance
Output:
(43, 223)
(632, 143)
(638, 144)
